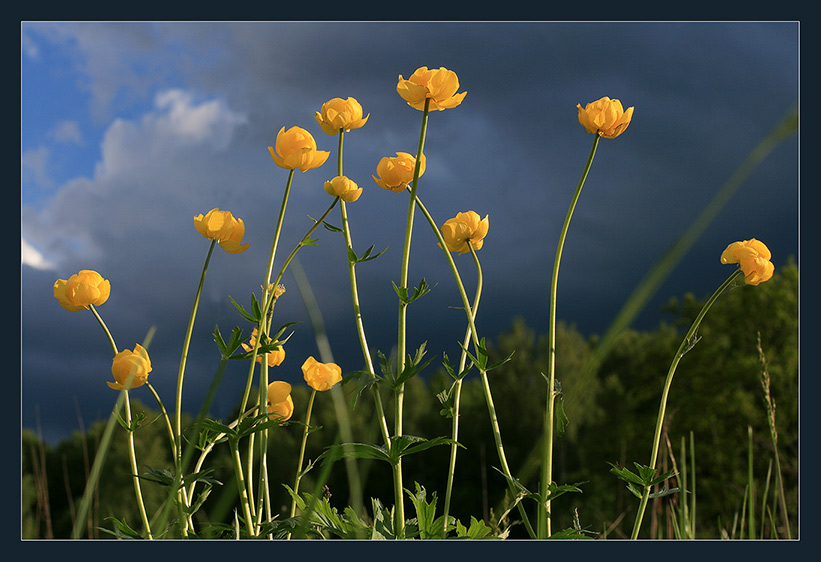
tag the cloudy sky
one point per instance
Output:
(129, 130)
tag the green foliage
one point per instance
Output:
(715, 397)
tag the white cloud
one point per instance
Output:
(32, 257)
(153, 173)
(210, 122)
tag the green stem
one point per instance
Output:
(241, 487)
(104, 327)
(360, 328)
(402, 323)
(302, 450)
(543, 514)
(131, 450)
(686, 344)
(180, 376)
(135, 478)
(457, 392)
(494, 422)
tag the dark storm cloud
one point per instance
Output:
(705, 95)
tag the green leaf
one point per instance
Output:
(402, 292)
(571, 533)
(382, 521)
(561, 417)
(366, 256)
(228, 349)
(331, 227)
(429, 526)
(403, 445)
(354, 450)
(252, 317)
(413, 366)
(122, 530)
(477, 530)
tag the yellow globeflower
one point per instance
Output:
(464, 228)
(224, 228)
(275, 358)
(753, 257)
(134, 364)
(81, 290)
(296, 148)
(280, 404)
(605, 117)
(396, 172)
(344, 188)
(438, 84)
(339, 114)
(321, 376)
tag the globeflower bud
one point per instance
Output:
(753, 257)
(464, 228)
(82, 290)
(130, 368)
(296, 148)
(321, 376)
(396, 172)
(224, 228)
(275, 358)
(439, 85)
(344, 188)
(605, 117)
(339, 114)
(280, 404)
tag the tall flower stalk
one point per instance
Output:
(85, 290)
(401, 344)
(753, 258)
(494, 421)
(543, 514)
(178, 400)
(360, 327)
(603, 118)
(687, 343)
(457, 391)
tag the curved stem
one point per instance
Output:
(360, 328)
(132, 454)
(494, 422)
(457, 391)
(104, 327)
(686, 344)
(180, 377)
(543, 514)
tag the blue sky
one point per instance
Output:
(129, 130)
